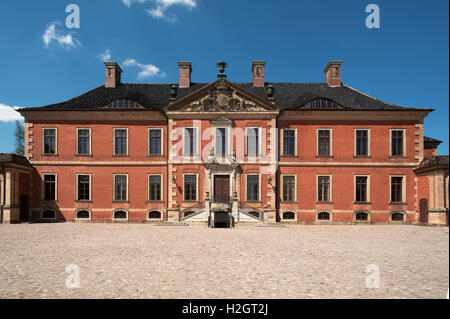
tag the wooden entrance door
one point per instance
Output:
(221, 188)
(423, 210)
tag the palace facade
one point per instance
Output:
(225, 153)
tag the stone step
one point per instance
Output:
(172, 224)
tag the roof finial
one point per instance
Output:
(222, 65)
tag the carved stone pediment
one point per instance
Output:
(223, 100)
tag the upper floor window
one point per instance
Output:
(221, 141)
(120, 142)
(253, 141)
(397, 189)
(362, 142)
(49, 141)
(324, 142)
(155, 139)
(120, 187)
(361, 195)
(289, 137)
(190, 187)
(83, 141)
(252, 188)
(190, 141)
(397, 140)
(83, 187)
(124, 104)
(49, 187)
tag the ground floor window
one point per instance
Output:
(154, 215)
(83, 214)
(252, 188)
(397, 217)
(289, 216)
(324, 216)
(190, 187)
(362, 216)
(120, 215)
(49, 214)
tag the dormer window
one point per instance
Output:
(322, 104)
(123, 104)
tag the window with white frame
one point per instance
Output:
(155, 188)
(190, 137)
(253, 141)
(190, 188)
(83, 141)
(324, 142)
(120, 187)
(289, 142)
(83, 187)
(221, 146)
(253, 188)
(397, 189)
(362, 189)
(362, 142)
(289, 188)
(50, 187)
(49, 141)
(398, 142)
(155, 141)
(121, 142)
(324, 189)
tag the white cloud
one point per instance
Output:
(159, 12)
(9, 114)
(146, 70)
(66, 41)
(106, 56)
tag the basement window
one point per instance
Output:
(323, 216)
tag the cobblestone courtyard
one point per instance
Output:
(144, 261)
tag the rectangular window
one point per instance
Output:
(362, 142)
(323, 189)
(252, 141)
(289, 142)
(324, 143)
(49, 187)
(120, 187)
(120, 142)
(155, 188)
(221, 141)
(155, 141)
(397, 142)
(397, 189)
(288, 188)
(83, 141)
(84, 187)
(252, 188)
(49, 141)
(361, 189)
(190, 141)
(190, 187)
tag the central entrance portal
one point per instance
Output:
(222, 189)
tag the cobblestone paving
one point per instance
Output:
(144, 261)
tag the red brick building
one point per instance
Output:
(225, 153)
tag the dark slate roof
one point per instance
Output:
(431, 142)
(13, 158)
(288, 96)
(431, 163)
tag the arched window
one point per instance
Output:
(289, 216)
(397, 217)
(49, 214)
(256, 214)
(154, 215)
(123, 104)
(324, 216)
(120, 215)
(322, 103)
(362, 216)
(83, 214)
(187, 214)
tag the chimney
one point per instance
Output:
(113, 72)
(185, 74)
(333, 73)
(258, 73)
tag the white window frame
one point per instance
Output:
(120, 219)
(114, 140)
(155, 219)
(331, 141)
(114, 187)
(259, 187)
(259, 128)
(90, 140)
(50, 209)
(404, 142)
(282, 187)
(289, 211)
(76, 187)
(397, 212)
(197, 142)
(404, 201)
(367, 190)
(324, 211)
(362, 221)
(228, 140)
(162, 140)
(43, 188)
(43, 141)
(162, 188)
(83, 210)
(368, 141)
(330, 200)
(197, 199)
(282, 142)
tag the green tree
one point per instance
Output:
(20, 138)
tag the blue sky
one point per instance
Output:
(405, 61)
